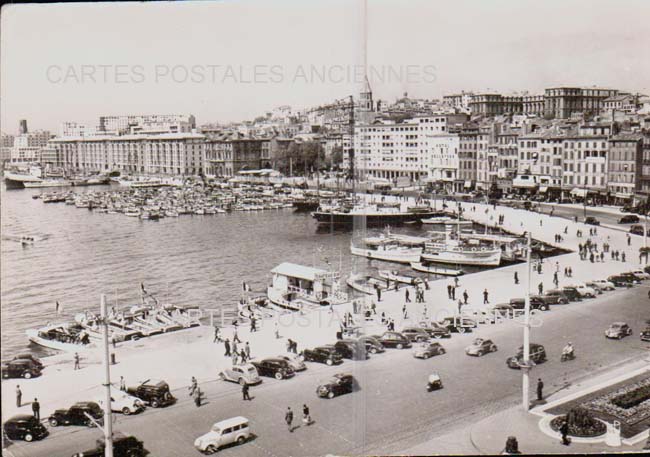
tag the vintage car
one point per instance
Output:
(571, 293)
(537, 355)
(223, 433)
(123, 446)
(539, 302)
(640, 274)
(352, 349)
(24, 427)
(154, 393)
(273, 368)
(622, 280)
(123, 403)
(645, 335)
(480, 347)
(373, 345)
(241, 374)
(415, 334)
(27, 356)
(590, 220)
(456, 324)
(629, 219)
(601, 285)
(77, 414)
(340, 383)
(427, 350)
(21, 368)
(322, 354)
(394, 340)
(618, 330)
(584, 290)
(295, 361)
(557, 295)
(435, 330)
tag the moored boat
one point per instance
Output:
(435, 270)
(388, 251)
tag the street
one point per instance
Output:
(392, 409)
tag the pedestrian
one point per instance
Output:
(516, 278)
(243, 356)
(407, 295)
(449, 287)
(235, 337)
(113, 342)
(235, 349)
(570, 272)
(379, 293)
(217, 337)
(629, 239)
(556, 280)
(226, 344)
(197, 397)
(540, 288)
(122, 384)
(193, 386)
(244, 392)
(540, 389)
(253, 325)
(460, 305)
(426, 283)
(455, 282)
(235, 358)
(306, 417)
(76, 361)
(465, 296)
(622, 257)
(288, 417)
(19, 397)
(404, 312)
(373, 307)
(247, 348)
(485, 297)
(36, 409)
(564, 431)
(453, 293)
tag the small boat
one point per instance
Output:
(395, 276)
(69, 337)
(431, 269)
(365, 284)
(389, 252)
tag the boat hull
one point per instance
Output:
(417, 266)
(478, 258)
(32, 335)
(370, 219)
(398, 256)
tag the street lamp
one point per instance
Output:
(526, 366)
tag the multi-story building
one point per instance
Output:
(585, 165)
(644, 184)
(165, 154)
(443, 161)
(229, 155)
(495, 104)
(626, 103)
(533, 105)
(147, 124)
(484, 167)
(35, 139)
(6, 141)
(458, 101)
(70, 129)
(625, 164)
(562, 102)
(467, 157)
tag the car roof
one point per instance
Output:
(230, 422)
(341, 375)
(272, 359)
(21, 418)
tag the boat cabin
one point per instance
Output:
(299, 280)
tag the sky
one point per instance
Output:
(234, 60)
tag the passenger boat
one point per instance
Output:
(388, 251)
(47, 183)
(297, 287)
(435, 270)
(371, 215)
(447, 221)
(365, 284)
(461, 252)
(69, 337)
(16, 178)
(396, 276)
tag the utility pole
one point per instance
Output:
(526, 362)
(108, 417)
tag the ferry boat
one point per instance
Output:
(47, 183)
(461, 252)
(365, 284)
(297, 287)
(372, 215)
(396, 276)
(388, 251)
(16, 178)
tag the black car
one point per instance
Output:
(631, 276)
(637, 230)
(629, 219)
(352, 349)
(416, 334)
(558, 298)
(458, 325)
(27, 356)
(76, 415)
(322, 354)
(373, 345)
(153, 393)
(123, 446)
(21, 368)
(394, 340)
(571, 293)
(435, 330)
(621, 280)
(590, 220)
(537, 355)
(536, 302)
(341, 383)
(273, 368)
(645, 335)
(24, 427)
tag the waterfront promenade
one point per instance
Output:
(177, 357)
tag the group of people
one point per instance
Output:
(306, 417)
(243, 354)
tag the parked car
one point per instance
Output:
(339, 384)
(618, 330)
(601, 284)
(640, 274)
(537, 355)
(241, 374)
(154, 393)
(123, 446)
(24, 427)
(637, 230)
(571, 293)
(295, 361)
(373, 345)
(415, 334)
(557, 295)
(584, 290)
(123, 403)
(458, 325)
(273, 368)
(351, 349)
(434, 329)
(645, 335)
(503, 310)
(622, 281)
(590, 220)
(21, 368)
(222, 433)
(394, 340)
(629, 219)
(536, 302)
(480, 347)
(77, 414)
(427, 350)
(322, 354)
(27, 356)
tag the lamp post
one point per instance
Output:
(526, 362)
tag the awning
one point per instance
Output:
(543, 189)
(579, 192)
(622, 195)
(468, 184)
(293, 270)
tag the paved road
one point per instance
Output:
(391, 411)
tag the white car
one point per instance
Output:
(584, 290)
(601, 284)
(640, 274)
(123, 403)
(242, 374)
(235, 430)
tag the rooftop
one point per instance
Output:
(298, 271)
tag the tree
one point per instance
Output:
(303, 157)
(336, 157)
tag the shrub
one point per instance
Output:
(632, 398)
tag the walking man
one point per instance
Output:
(407, 295)
(235, 337)
(540, 389)
(306, 418)
(516, 278)
(404, 311)
(36, 409)
(253, 325)
(540, 288)
(244, 392)
(76, 361)
(122, 384)
(19, 397)
(197, 397)
(564, 430)
(485, 297)
(247, 348)
(193, 386)
(449, 288)
(226, 343)
(379, 293)
(216, 335)
(288, 417)
(465, 296)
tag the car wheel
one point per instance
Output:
(399, 346)
(543, 308)
(53, 422)
(493, 348)
(330, 394)
(241, 440)
(29, 438)
(479, 354)
(437, 335)
(222, 376)
(241, 381)
(90, 424)
(126, 411)
(329, 362)
(373, 350)
(211, 449)
(278, 376)
(27, 375)
(441, 351)
(155, 404)
(461, 329)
